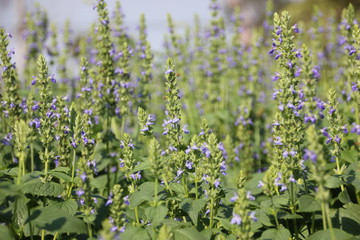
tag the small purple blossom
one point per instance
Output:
(236, 219)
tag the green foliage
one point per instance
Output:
(116, 149)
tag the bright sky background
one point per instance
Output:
(81, 14)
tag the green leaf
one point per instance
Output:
(177, 187)
(326, 235)
(69, 206)
(350, 156)
(36, 187)
(252, 184)
(141, 166)
(62, 176)
(11, 171)
(192, 208)
(144, 193)
(61, 169)
(344, 197)
(135, 233)
(8, 189)
(308, 204)
(276, 234)
(116, 127)
(333, 182)
(349, 219)
(5, 233)
(55, 220)
(188, 234)
(156, 214)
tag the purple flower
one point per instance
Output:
(80, 192)
(135, 176)
(186, 131)
(169, 71)
(234, 198)
(276, 77)
(52, 78)
(260, 185)
(283, 188)
(83, 176)
(337, 139)
(281, 107)
(189, 164)
(292, 179)
(354, 87)
(277, 141)
(249, 196)
(217, 183)
(295, 28)
(252, 216)
(277, 56)
(33, 82)
(236, 219)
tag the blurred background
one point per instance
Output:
(82, 15)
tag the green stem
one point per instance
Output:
(56, 235)
(183, 180)
(89, 230)
(211, 211)
(196, 189)
(72, 173)
(32, 156)
(312, 223)
(42, 234)
(329, 222)
(275, 214)
(156, 191)
(323, 215)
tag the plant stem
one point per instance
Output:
(32, 156)
(43, 234)
(89, 230)
(156, 191)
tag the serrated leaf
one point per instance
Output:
(192, 208)
(177, 187)
(54, 220)
(36, 187)
(156, 214)
(308, 204)
(350, 156)
(10, 171)
(188, 234)
(326, 235)
(276, 234)
(349, 218)
(69, 206)
(333, 182)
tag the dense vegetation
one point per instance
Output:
(102, 138)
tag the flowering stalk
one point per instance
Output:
(334, 132)
(47, 108)
(9, 76)
(127, 164)
(242, 216)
